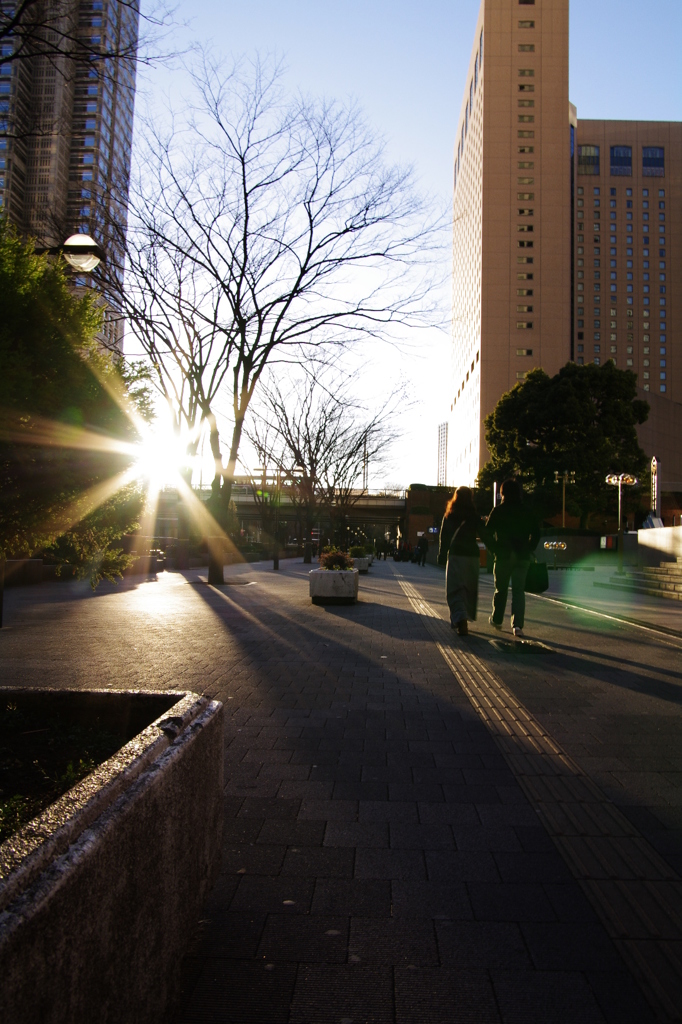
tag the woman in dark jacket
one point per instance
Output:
(459, 551)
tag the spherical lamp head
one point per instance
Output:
(82, 253)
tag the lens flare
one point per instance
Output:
(160, 459)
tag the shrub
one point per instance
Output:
(335, 560)
(358, 551)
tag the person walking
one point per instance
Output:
(422, 549)
(514, 531)
(459, 552)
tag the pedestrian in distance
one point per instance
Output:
(514, 531)
(422, 549)
(459, 553)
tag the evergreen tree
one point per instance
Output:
(61, 418)
(583, 419)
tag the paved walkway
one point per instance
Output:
(417, 827)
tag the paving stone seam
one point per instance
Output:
(604, 846)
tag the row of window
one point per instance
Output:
(468, 109)
(653, 161)
(646, 239)
(613, 191)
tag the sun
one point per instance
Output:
(161, 458)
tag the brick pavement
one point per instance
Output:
(381, 861)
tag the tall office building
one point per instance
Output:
(442, 454)
(565, 235)
(66, 123)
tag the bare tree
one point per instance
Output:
(261, 229)
(318, 436)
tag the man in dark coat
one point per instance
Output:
(515, 532)
(422, 549)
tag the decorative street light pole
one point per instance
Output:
(82, 253)
(617, 480)
(566, 478)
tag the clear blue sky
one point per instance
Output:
(406, 64)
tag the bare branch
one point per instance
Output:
(266, 229)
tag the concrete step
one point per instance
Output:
(654, 583)
(637, 588)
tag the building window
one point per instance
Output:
(524, 325)
(526, 48)
(662, 387)
(621, 160)
(526, 73)
(526, 24)
(588, 159)
(653, 161)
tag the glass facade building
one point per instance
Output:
(66, 122)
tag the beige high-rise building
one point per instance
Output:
(565, 237)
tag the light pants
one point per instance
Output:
(512, 568)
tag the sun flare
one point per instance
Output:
(161, 458)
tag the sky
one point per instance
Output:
(406, 65)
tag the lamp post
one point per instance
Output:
(555, 545)
(566, 478)
(278, 485)
(81, 252)
(618, 480)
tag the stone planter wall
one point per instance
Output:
(361, 564)
(99, 895)
(333, 586)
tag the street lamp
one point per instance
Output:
(82, 253)
(555, 545)
(618, 480)
(566, 478)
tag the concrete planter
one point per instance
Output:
(334, 586)
(362, 564)
(99, 894)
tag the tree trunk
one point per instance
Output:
(228, 473)
(308, 550)
(216, 576)
(215, 547)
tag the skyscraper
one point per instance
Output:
(549, 218)
(66, 118)
(442, 454)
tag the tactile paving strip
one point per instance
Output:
(635, 892)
